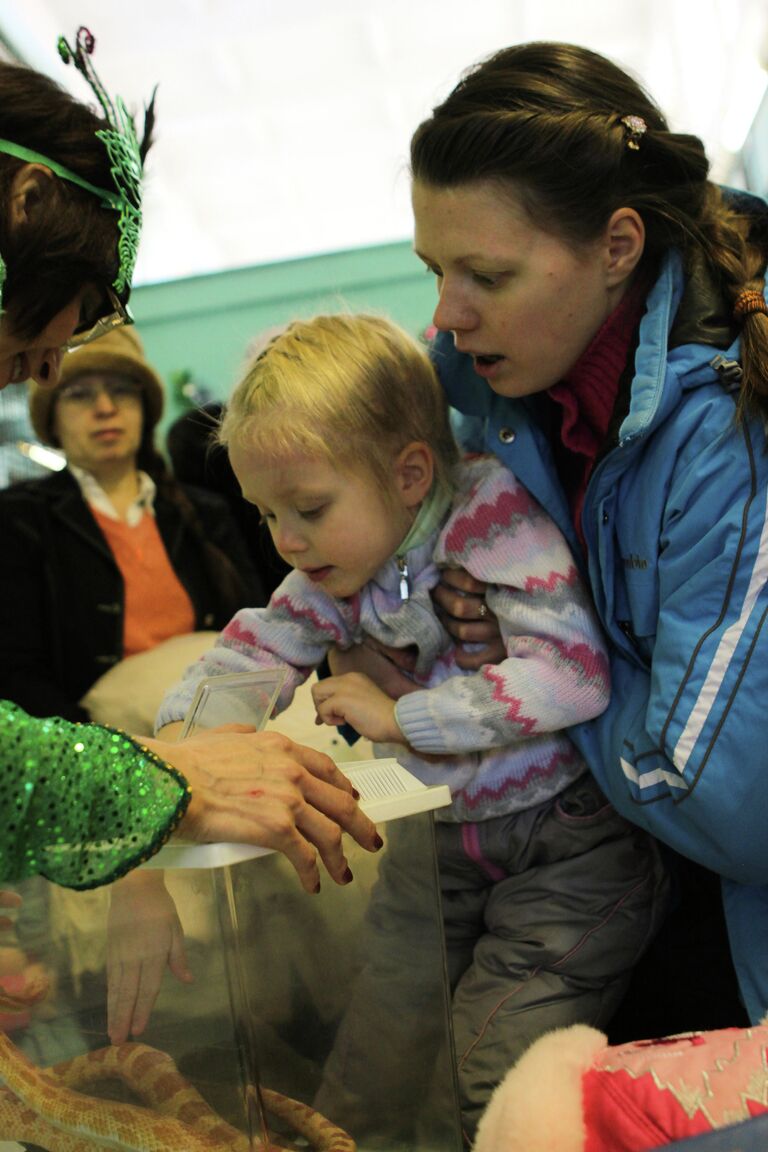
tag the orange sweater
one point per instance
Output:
(156, 603)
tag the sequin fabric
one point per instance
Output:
(82, 804)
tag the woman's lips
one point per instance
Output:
(486, 366)
(484, 363)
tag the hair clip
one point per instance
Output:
(635, 128)
(124, 154)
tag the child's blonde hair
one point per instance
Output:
(352, 389)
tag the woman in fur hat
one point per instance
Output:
(111, 556)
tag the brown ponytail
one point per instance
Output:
(738, 251)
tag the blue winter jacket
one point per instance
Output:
(677, 534)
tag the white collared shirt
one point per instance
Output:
(94, 494)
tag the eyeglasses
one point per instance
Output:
(108, 314)
(85, 393)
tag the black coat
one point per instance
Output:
(61, 591)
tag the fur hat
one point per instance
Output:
(120, 351)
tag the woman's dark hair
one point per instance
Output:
(71, 239)
(232, 592)
(545, 120)
(198, 458)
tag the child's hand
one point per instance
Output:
(354, 699)
(144, 934)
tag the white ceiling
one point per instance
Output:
(283, 125)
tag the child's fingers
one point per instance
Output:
(122, 990)
(177, 959)
(327, 713)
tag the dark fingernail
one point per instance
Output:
(377, 842)
(347, 877)
(355, 793)
(316, 888)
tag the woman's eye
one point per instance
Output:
(485, 280)
(432, 271)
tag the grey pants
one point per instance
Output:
(546, 912)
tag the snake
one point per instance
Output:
(48, 1106)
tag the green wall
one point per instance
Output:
(203, 325)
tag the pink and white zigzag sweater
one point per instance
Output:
(501, 728)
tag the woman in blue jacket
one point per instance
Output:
(602, 326)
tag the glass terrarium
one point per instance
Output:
(304, 1022)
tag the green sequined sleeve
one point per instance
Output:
(81, 804)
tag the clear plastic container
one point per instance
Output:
(309, 1016)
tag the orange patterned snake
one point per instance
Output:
(47, 1106)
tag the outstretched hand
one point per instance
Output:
(262, 788)
(144, 936)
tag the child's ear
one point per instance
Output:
(414, 472)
